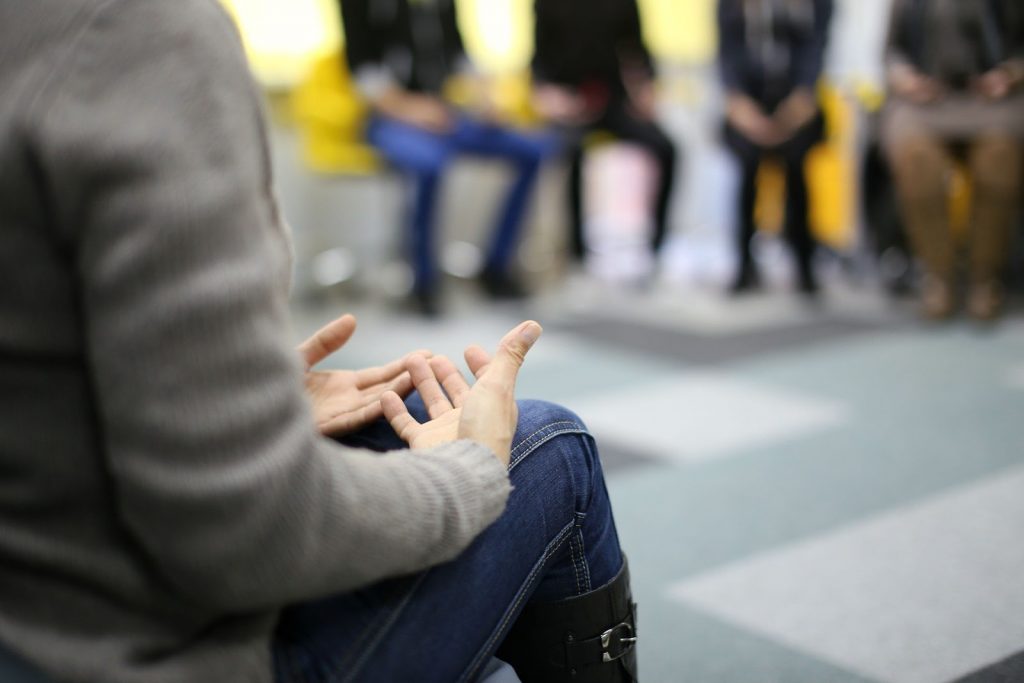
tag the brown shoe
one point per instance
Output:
(937, 299)
(985, 300)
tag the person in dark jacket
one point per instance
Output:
(955, 71)
(771, 54)
(402, 54)
(592, 71)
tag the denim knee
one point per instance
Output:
(558, 482)
(555, 432)
(542, 420)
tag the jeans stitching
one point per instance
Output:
(546, 433)
(372, 645)
(550, 550)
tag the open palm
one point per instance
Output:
(346, 400)
(485, 412)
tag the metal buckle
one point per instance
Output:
(626, 641)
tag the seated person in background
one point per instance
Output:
(770, 55)
(171, 509)
(955, 72)
(402, 53)
(591, 71)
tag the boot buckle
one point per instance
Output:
(617, 641)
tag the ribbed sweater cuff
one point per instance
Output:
(482, 480)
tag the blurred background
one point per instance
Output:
(816, 460)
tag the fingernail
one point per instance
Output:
(530, 332)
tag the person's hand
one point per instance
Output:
(643, 99)
(346, 400)
(749, 119)
(416, 109)
(909, 83)
(485, 412)
(559, 104)
(994, 84)
(483, 103)
(795, 112)
(428, 113)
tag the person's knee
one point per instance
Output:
(531, 152)
(996, 165)
(535, 414)
(915, 153)
(541, 421)
(553, 446)
(920, 166)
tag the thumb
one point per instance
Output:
(512, 350)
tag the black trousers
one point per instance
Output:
(792, 153)
(618, 120)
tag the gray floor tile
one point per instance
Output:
(899, 597)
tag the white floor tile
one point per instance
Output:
(1015, 376)
(923, 594)
(700, 415)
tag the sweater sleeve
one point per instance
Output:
(151, 139)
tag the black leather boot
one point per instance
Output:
(587, 639)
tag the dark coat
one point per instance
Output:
(990, 33)
(584, 42)
(768, 64)
(417, 43)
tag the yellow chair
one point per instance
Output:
(332, 117)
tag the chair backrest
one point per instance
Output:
(331, 116)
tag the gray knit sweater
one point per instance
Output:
(163, 490)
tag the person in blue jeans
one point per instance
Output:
(538, 588)
(402, 54)
(546, 586)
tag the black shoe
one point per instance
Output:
(590, 638)
(747, 280)
(807, 284)
(500, 284)
(425, 302)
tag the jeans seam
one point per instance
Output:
(530, 443)
(372, 645)
(550, 550)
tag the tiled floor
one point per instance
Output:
(824, 494)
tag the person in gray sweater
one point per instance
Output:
(170, 507)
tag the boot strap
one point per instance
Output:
(611, 645)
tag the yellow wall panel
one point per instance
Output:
(680, 30)
(284, 38)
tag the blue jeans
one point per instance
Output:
(425, 156)
(555, 540)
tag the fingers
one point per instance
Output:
(385, 373)
(402, 385)
(327, 340)
(347, 423)
(398, 416)
(426, 384)
(477, 359)
(451, 379)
